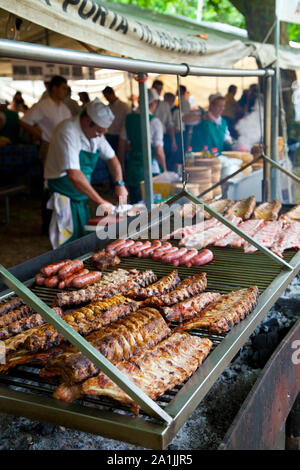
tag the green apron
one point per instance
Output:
(210, 134)
(79, 202)
(135, 162)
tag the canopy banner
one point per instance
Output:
(288, 10)
(132, 31)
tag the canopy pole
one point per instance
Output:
(267, 138)
(275, 113)
(146, 139)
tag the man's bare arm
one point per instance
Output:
(81, 183)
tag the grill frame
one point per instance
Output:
(145, 431)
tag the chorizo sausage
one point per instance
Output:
(203, 257)
(133, 250)
(51, 269)
(126, 244)
(115, 244)
(40, 279)
(68, 281)
(51, 281)
(189, 255)
(70, 268)
(167, 257)
(86, 279)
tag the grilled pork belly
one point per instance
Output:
(189, 308)
(11, 305)
(289, 238)
(118, 341)
(14, 315)
(116, 282)
(190, 286)
(220, 316)
(267, 210)
(84, 321)
(164, 285)
(155, 371)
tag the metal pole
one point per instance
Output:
(27, 51)
(267, 137)
(146, 141)
(275, 114)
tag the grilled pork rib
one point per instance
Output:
(11, 305)
(119, 281)
(116, 342)
(190, 286)
(155, 371)
(288, 238)
(15, 315)
(18, 326)
(164, 285)
(230, 309)
(84, 321)
(189, 308)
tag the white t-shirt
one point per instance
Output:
(67, 141)
(47, 115)
(163, 112)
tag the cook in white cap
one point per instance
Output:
(75, 147)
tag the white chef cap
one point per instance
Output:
(152, 95)
(99, 113)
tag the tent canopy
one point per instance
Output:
(130, 31)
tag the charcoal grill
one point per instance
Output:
(23, 392)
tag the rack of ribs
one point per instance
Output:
(189, 308)
(250, 227)
(118, 281)
(266, 235)
(118, 341)
(155, 371)
(221, 315)
(164, 285)
(190, 286)
(288, 238)
(84, 321)
(18, 326)
(15, 315)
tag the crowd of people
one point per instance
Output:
(72, 136)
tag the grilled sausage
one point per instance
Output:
(40, 279)
(203, 257)
(115, 244)
(133, 250)
(86, 279)
(52, 269)
(166, 246)
(68, 281)
(167, 257)
(51, 281)
(145, 250)
(71, 268)
(188, 256)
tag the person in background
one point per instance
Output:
(76, 145)
(71, 104)
(132, 135)
(212, 131)
(9, 125)
(46, 92)
(231, 109)
(41, 120)
(163, 112)
(120, 111)
(18, 105)
(84, 98)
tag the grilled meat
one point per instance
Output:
(189, 308)
(243, 208)
(289, 238)
(116, 342)
(21, 325)
(155, 371)
(230, 309)
(220, 205)
(14, 315)
(11, 305)
(250, 227)
(119, 281)
(164, 285)
(291, 215)
(267, 210)
(102, 260)
(190, 286)
(84, 321)
(21, 356)
(266, 235)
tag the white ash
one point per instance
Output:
(208, 424)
